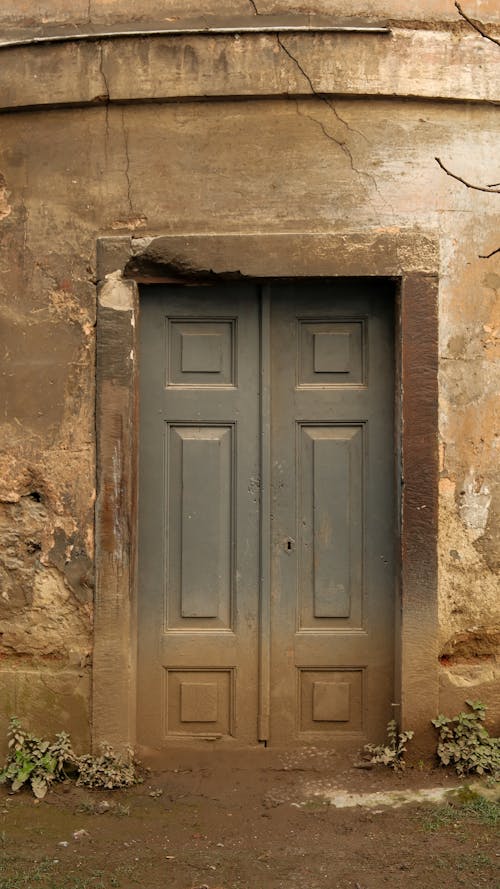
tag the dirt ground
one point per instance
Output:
(258, 820)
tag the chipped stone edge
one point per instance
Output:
(385, 252)
(117, 293)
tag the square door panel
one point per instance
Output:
(331, 700)
(200, 352)
(331, 353)
(198, 702)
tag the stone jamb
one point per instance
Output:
(410, 258)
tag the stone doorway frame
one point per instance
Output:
(410, 259)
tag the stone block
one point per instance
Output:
(46, 702)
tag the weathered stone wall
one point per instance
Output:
(301, 163)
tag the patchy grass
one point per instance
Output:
(44, 875)
(467, 806)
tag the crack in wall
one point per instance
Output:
(298, 65)
(478, 26)
(252, 4)
(342, 120)
(107, 98)
(127, 162)
(341, 143)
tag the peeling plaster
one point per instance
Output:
(475, 643)
(5, 208)
(469, 606)
(468, 676)
(475, 501)
(51, 627)
(132, 224)
(117, 293)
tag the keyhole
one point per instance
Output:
(289, 544)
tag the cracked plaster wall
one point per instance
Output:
(68, 176)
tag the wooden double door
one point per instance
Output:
(266, 512)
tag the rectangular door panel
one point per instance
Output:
(199, 526)
(330, 543)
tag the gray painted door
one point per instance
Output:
(266, 578)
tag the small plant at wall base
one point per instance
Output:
(465, 743)
(107, 771)
(392, 753)
(35, 761)
(39, 763)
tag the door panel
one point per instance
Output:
(200, 509)
(319, 419)
(199, 527)
(332, 580)
(330, 545)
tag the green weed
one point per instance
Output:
(44, 875)
(392, 753)
(465, 744)
(39, 763)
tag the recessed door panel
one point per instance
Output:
(331, 352)
(200, 526)
(201, 352)
(330, 528)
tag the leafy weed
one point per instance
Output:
(39, 763)
(392, 753)
(465, 744)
